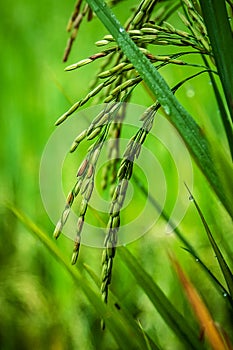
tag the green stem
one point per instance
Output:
(216, 20)
(225, 119)
(178, 116)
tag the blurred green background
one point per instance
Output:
(38, 300)
(40, 306)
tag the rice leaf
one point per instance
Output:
(168, 312)
(125, 335)
(205, 319)
(187, 246)
(219, 31)
(222, 263)
(148, 341)
(182, 120)
(225, 119)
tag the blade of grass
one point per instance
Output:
(218, 27)
(222, 263)
(225, 119)
(202, 313)
(125, 336)
(171, 316)
(184, 123)
(187, 246)
(148, 346)
(223, 165)
(133, 324)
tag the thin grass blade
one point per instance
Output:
(207, 324)
(222, 262)
(224, 116)
(187, 246)
(120, 305)
(125, 336)
(168, 312)
(219, 31)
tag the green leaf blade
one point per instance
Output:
(219, 31)
(178, 116)
(222, 262)
(126, 336)
(171, 316)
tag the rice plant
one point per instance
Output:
(134, 58)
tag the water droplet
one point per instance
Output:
(197, 260)
(121, 30)
(225, 295)
(191, 198)
(166, 109)
(169, 229)
(190, 93)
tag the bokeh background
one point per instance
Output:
(40, 305)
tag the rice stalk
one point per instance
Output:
(86, 174)
(124, 175)
(74, 24)
(119, 75)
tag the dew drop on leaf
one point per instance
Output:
(166, 109)
(191, 198)
(190, 93)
